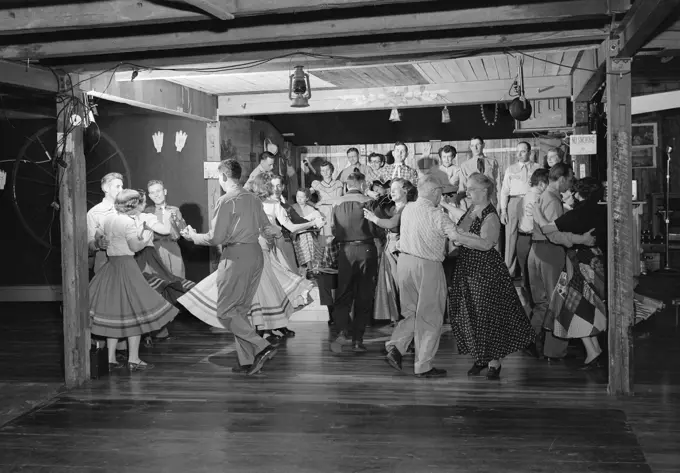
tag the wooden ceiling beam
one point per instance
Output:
(220, 9)
(159, 96)
(27, 75)
(312, 64)
(105, 13)
(407, 49)
(637, 28)
(549, 12)
(641, 23)
(458, 93)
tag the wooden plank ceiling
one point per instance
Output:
(354, 50)
(471, 69)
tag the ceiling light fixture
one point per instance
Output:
(446, 118)
(300, 91)
(395, 116)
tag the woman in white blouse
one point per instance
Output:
(122, 303)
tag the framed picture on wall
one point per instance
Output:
(644, 156)
(644, 134)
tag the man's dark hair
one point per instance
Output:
(589, 188)
(230, 168)
(265, 154)
(559, 170)
(525, 143)
(539, 175)
(448, 149)
(353, 149)
(481, 140)
(355, 178)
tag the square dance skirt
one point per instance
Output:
(278, 294)
(123, 304)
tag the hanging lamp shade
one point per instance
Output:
(520, 109)
(394, 115)
(446, 118)
(299, 90)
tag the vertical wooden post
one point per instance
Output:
(581, 127)
(620, 224)
(213, 150)
(73, 219)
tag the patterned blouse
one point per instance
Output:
(328, 191)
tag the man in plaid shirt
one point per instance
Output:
(399, 169)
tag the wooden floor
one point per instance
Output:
(311, 411)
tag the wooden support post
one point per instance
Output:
(620, 225)
(212, 133)
(582, 163)
(73, 219)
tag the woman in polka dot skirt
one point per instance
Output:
(488, 320)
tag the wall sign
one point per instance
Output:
(582, 144)
(210, 170)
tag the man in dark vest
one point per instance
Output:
(357, 264)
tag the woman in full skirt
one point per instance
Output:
(278, 294)
(488, 319)
(386, 306)
(122, 304)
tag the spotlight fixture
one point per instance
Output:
(395, 116)
(299, 91)
(446, 118)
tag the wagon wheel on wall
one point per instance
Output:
(35, 193)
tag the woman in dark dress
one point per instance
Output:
(386, 306)
(488, 319)
(578, 304)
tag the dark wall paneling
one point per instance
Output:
(182, 172)
(22, 260)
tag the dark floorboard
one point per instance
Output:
(311, 411)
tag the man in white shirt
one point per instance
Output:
(538, 183)
(111, 184)
(482, 164)
(353, 165)
(515, 186)
(422, 283)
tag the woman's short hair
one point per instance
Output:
(411, 190)
(381, 157)
(589, 188)
(128, 201)
(328, 164)
(483, 180)
(306, 192)
(261, 185)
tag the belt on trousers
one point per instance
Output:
(541, 241)
(239, 243)
(525, 233)
(516, 196)
(357, 242)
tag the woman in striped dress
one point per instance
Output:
(122, 303)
